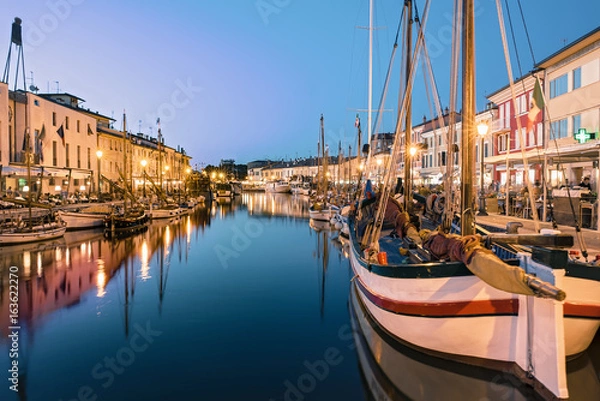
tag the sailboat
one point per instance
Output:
(128, 220)
(451, 297)
(399, 372)
(320, 209)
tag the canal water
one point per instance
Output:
(242, 300)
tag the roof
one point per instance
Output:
(60, 94)
(571, 48)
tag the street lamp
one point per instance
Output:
(187, 174)
(482, 129)
(379, 163)
(166, 173)
(99, 156)
(144, 163)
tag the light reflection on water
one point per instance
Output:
(245, 299)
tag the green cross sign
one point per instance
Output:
(582, 135)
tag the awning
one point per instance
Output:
(18, 170)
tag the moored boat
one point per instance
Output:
(20, 235)
(90, 217)
(451, 297)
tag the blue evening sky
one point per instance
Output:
(248, 79)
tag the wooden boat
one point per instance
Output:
(280, 187)
(91, 217)
(129, 220)
(396, 371)
(322, 212)
(223, 190)
(20, 235)
(166, 212)
(453, 298)
(119, 225)
(320, 208)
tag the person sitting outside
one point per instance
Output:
(585, 183)
(366, 209)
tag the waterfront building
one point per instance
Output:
(71, 146)
(572, 124)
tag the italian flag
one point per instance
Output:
(537, 104)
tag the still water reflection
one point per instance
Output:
(244, 299)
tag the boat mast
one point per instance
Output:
(468, 119)
(125, 184)
(408, 123)
(160, 174)
(325, 161)
(370, 94)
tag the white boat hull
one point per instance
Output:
(325, 214)
(11, 238)
(166, 213)
(461, 317)
(77, 220)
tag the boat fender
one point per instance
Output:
(382, 258)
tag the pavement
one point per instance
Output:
(588, 240)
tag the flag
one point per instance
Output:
(357, 122)
(537, 104)
(61, 133)
(43, 133)
(38, 144)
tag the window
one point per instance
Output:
(54, 154)
(558, 86)
(486, 150)
(78, 156)
(577, 78)
(78, 126)
(531, 139)
(443, 154)
(576, 120)
(89, 158)
(67, 122)
(558, 129)
(67, 159)
(540, 136)
(36, 102)
(54, 119)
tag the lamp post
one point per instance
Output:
(166, 173)
(379, 163)
(187, 175)
(99, 156)
(482, 129)
(144, 163)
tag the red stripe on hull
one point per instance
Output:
(442, 309)
(581, 310)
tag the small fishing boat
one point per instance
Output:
(280, 187)
(22, 234)
(126, 220)
(81, 219)
(223, 190)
